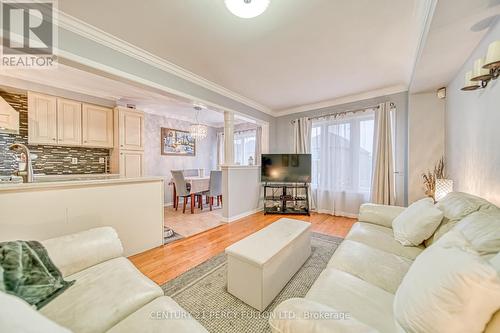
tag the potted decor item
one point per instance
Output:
(430, 178)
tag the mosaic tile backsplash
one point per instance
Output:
(51, 160)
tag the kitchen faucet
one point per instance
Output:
(27, 173)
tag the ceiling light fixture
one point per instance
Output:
(197, 130)
(247, 8)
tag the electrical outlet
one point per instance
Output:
(74, 160)
(101, 160)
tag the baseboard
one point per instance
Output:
(168, 204)
(339, 214)
(242, 215)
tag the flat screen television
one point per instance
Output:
(292, 168)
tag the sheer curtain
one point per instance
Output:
(342, 153)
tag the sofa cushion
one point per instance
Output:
(449, 288)
(75, 252)
(382, 269)
(102, 296)
(363, 301)
(381, 238)
(18, 316)
(456, 206)
(482, 230)
(161, 315)
(417, 222)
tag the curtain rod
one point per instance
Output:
(335, 114)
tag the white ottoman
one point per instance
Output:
(260, 265)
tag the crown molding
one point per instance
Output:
(344, 100)
(97, 35)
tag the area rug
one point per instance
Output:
(202, 291)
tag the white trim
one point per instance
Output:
(168, 204)
(88, 31)
(430, 8)
(242, 215)
(344, 100)
(140, 80)
(339, 214)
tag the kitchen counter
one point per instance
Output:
(53, 206)
(72, 181)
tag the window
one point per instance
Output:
(342, 157)
(342, 153)
(244, 147)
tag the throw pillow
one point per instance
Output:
(449, 288)
(417, 222)
(27, 272)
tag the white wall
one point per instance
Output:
(241, 190)
(426, 115)
(161, 165)
(473, 131)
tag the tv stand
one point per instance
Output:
(286, 198)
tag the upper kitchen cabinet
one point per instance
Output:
(97, 126)
(9, 118)
(130, 128)
(42, 119)
(69, 122)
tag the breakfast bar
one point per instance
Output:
(52, 206)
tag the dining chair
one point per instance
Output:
(214, 188)
(183, 189)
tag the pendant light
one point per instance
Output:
(197, 130)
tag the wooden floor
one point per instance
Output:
(164, 263)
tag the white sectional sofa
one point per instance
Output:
(109, 295)
(356, 292)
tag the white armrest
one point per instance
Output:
(379, 214)
(298, 315)
(76, 252)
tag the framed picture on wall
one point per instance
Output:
(177, 142)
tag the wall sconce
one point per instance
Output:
(485, 69)
(443, 187)
(469, 84)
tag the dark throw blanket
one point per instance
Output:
(26, 271)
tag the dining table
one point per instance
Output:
(198, 184)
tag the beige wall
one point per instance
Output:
(426, 115)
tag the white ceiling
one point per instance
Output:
(456, 29)
(120, 93)
(298, 52)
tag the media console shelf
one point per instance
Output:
(286, 198)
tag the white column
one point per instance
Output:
(228, 138)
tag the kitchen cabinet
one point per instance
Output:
(9, 118)
(130, 129)
(127, 158)
(42, 119)
(131, 163)
(69, 122)
(97, 126)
